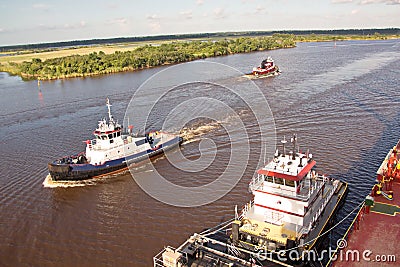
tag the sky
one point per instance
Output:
(38, 21)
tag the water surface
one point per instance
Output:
(343, 103)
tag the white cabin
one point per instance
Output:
(110, 143)
(288, 191)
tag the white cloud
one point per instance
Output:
(155, 26)
(387, 2)
(41, 6)
(341, 1)
(118, 21)
(367, 2)
(152, 17)
(112, 5)
(154, 22)
(188, 14)
(81, 24)
(219, 13)
(354, 11)
(49, 27)
(260, 10)
(199, 2)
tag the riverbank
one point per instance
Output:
(141, 57)
(114, 58)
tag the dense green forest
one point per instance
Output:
(144, 57)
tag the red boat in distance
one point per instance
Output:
(267, 68)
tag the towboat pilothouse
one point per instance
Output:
(292, 207)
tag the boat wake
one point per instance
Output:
(50, 183)
(194, 132)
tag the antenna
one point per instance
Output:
(293, 140)
(283, 144)
(109, 110)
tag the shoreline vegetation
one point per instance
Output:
(69, 62)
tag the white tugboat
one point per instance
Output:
(111, 151)
(291, 208)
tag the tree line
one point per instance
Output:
(75, 43)
(145, 56)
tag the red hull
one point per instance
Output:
(372, 239)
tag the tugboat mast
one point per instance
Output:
(109, 110)
(293, 140)
(283, 144)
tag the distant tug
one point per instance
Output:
(111, 151)
(291, 208)
(267, 68)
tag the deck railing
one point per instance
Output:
(158, 259)
(311, 185)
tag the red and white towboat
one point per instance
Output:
(292, 207)
(267, 68)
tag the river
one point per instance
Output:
(342, 101)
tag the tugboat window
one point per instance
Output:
(104, 137)
(269, 179)
(278, 180)
(110, 136)
(289, 183)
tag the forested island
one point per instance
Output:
(156, 54)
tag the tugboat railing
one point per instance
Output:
(157, 259)
(310, 187)
(245, 210)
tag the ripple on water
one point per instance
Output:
(342, 102)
